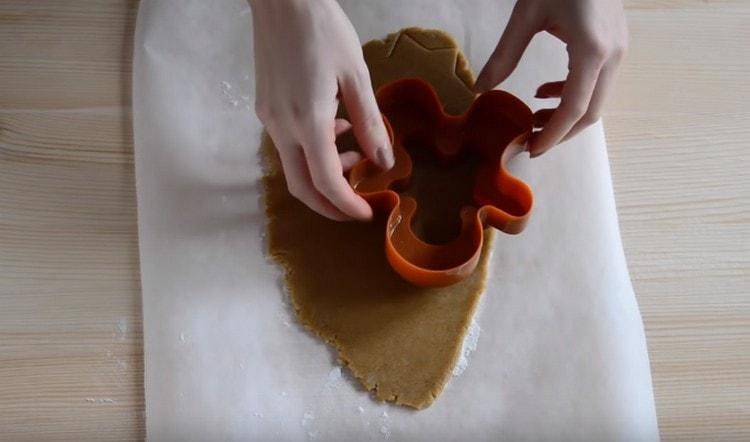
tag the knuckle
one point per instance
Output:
(294, 190)
(589, 118)
(264, 112)
(325, 185)
(331, 188)
(598, 50)
(372, 126)
(312, 119)
(575, 109)
(619, 50)
(372, 121)
(299, 112)
(595, 47)
(360, 78)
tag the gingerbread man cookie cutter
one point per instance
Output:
(495, 128)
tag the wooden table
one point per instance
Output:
(71, 362)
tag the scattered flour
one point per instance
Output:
(469, 345)
(385, 428)
(385, 431)
(99, 400)
(334, 376)
(307, 419)
(231, 98)
(121, 329)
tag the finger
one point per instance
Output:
(349, 159)
(300, 184)
(606, 79)
(369, 129)
(552, 89)
(575, 98)
(341, 126)
(523, 24)
(327, 175)
(542, 116)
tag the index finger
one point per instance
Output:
(575, 98)
(328, 175)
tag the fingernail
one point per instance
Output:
(385, 157)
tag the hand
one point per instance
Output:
(596, 35)
(307, 55)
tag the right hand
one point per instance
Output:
(307, 55)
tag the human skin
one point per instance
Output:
(308, 57)
(595, 33)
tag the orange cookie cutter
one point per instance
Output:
(496, 127)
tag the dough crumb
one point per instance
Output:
(360, 409)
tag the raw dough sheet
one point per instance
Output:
(561, 354)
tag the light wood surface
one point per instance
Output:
(71, 364)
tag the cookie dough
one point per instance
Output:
(399, 340)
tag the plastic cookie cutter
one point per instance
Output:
(494, 129)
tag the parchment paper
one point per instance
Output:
(561, 354)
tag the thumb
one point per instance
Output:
(522, 26)
(367, 122)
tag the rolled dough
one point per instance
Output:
(400, 341)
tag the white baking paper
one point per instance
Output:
(560, 354)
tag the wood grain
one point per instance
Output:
(71, 346)
(678, 130)
(71, 355)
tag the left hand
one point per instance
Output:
(595, 32)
